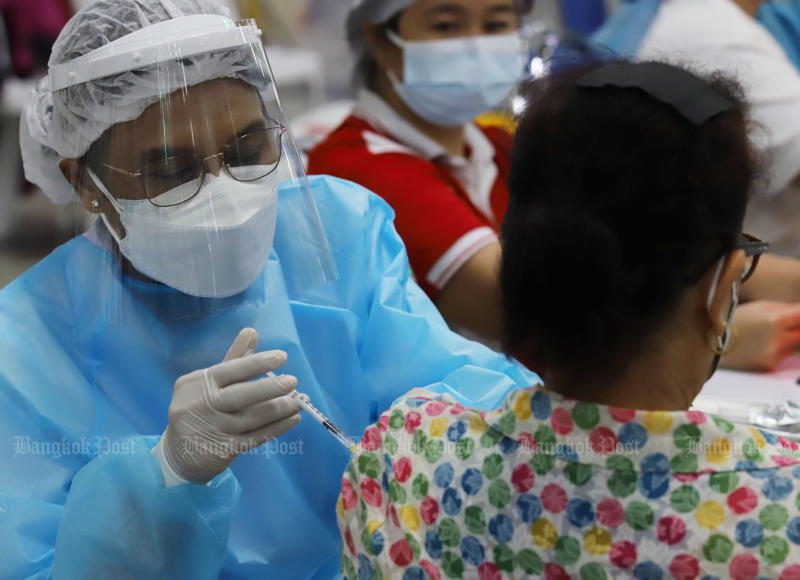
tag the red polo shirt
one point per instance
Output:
(448, 208)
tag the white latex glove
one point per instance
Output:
(218, 413)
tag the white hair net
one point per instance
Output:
(65, 123)
(363, 11)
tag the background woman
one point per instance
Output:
(426, 69)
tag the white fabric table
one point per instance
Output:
(733, 395)
(778, 385)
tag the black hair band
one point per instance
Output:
(690, 96)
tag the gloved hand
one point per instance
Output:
(216, 414)
(766, 333)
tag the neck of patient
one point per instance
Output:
(661, 376)
(450, 138)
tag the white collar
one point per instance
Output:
(378, 113)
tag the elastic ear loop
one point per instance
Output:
(723, 342)
(401, 44)
(395, 39)
(104, 190)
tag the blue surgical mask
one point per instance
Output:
(450, 82)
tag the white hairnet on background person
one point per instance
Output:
(363, 11)
(377, 11)
(64, 124)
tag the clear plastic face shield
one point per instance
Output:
(198, 179)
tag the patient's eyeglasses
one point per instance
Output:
(753, 248)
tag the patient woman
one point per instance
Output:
(623, 257)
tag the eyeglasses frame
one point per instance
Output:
(140, 173)
(752, 247)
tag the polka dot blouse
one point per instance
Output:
(555, 488)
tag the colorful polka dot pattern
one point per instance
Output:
(546, 486)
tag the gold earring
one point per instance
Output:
(714, 338)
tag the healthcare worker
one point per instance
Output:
(129, 449)
(426, 69)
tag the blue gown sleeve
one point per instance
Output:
(782, 20)
(119, 521)
(407, 344)
(71, 507)
(623, 32)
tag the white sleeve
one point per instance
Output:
(716, 35)
(459, 254)
(171, 478)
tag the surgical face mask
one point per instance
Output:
(214, 245)
(450, 82)
(724, 341)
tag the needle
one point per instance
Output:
(322, 419)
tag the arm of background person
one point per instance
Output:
(766, 333)
(776, 278)
(471, 298)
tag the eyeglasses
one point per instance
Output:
(175, 180)
(753, 248)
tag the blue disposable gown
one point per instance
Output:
(623, 32)
(782, 19)
(86, 378)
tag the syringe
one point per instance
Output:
(337, 433)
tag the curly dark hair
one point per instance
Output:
(618, 205)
